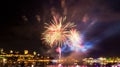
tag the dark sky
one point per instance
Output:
(23, 23)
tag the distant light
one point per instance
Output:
(32, 65)
(11, 51)
(38, 54)
(54, 60)
(59, 65)
(75, 63)
(4, 60)
(34, 53)
(114, 66)
(25, 51)
(77, 66)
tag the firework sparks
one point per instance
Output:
(75, 39)
(57, 32)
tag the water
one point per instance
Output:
(55, 65)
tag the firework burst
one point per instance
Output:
(75, 38)
(56, 32)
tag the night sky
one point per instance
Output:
(23, 23)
